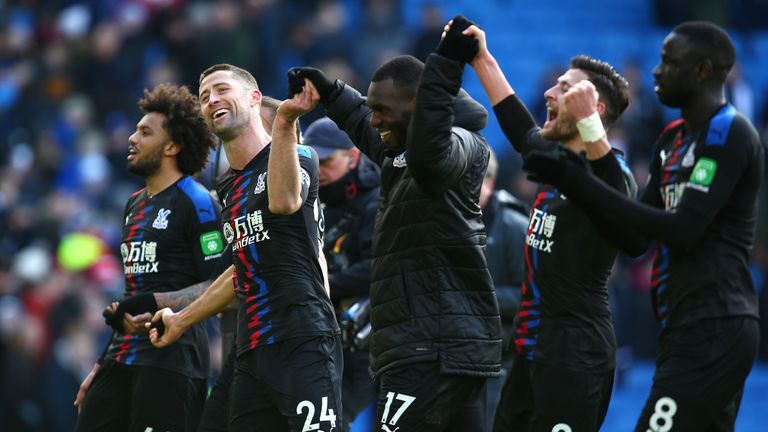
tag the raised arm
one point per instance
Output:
(486, 68)
(345, 106)
(437, 152)
(283, 176)
(514, 118)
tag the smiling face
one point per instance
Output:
(392, 109)
(147, 145)
(226, 103)
(675, 77)
(560, 124)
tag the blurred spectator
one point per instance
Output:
(432, 23)
(639, 126)
(382, 36)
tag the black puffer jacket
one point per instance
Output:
(431, 293)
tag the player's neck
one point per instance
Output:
(700, 109)
(246, 145)
(162, 179)
(576, 144)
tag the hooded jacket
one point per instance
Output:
(432, 296)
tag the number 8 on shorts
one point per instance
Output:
(661, 420)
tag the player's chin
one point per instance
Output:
(669, 100)
(549, 131)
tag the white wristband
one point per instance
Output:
(591, 128)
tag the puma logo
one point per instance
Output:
(386, 428)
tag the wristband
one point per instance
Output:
(591, 128)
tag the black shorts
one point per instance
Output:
(215, 417)
(700, 374)
(288, 386)
(418, 398)
(544, 398)
(140, 398)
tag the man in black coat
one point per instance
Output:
(435, 318)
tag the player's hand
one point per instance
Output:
(114, 315)
(457, 45)
(300, 103)
(136, 324)
(111, 319)
(581, 100)
(325, 87)
(557, 167)
(173, 329)
(84, 386)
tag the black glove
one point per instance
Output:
(133, 305)
(324, 86)
(457, 46)
(558, 167)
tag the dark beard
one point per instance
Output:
(146, 168)
(559, 134)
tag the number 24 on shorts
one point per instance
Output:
(325, 415)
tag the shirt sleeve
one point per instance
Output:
(615, 173)
(309, 169)
(719, 169)
(207, 241)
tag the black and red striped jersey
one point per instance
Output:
(564, 318)
(716, 172)
(169, 241)
(278, 278)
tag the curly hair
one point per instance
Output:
(184, 123)
(611, 86)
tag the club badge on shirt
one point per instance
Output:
(260, 185)
(161, 221)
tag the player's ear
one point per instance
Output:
(172, 149)
(255, 98)
(704, 70)
(601, 108)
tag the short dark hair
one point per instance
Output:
(240, 73)
(611, 86)
(405, 71)
(710, 42)
(183, 122)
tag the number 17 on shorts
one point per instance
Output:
(389, 424)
